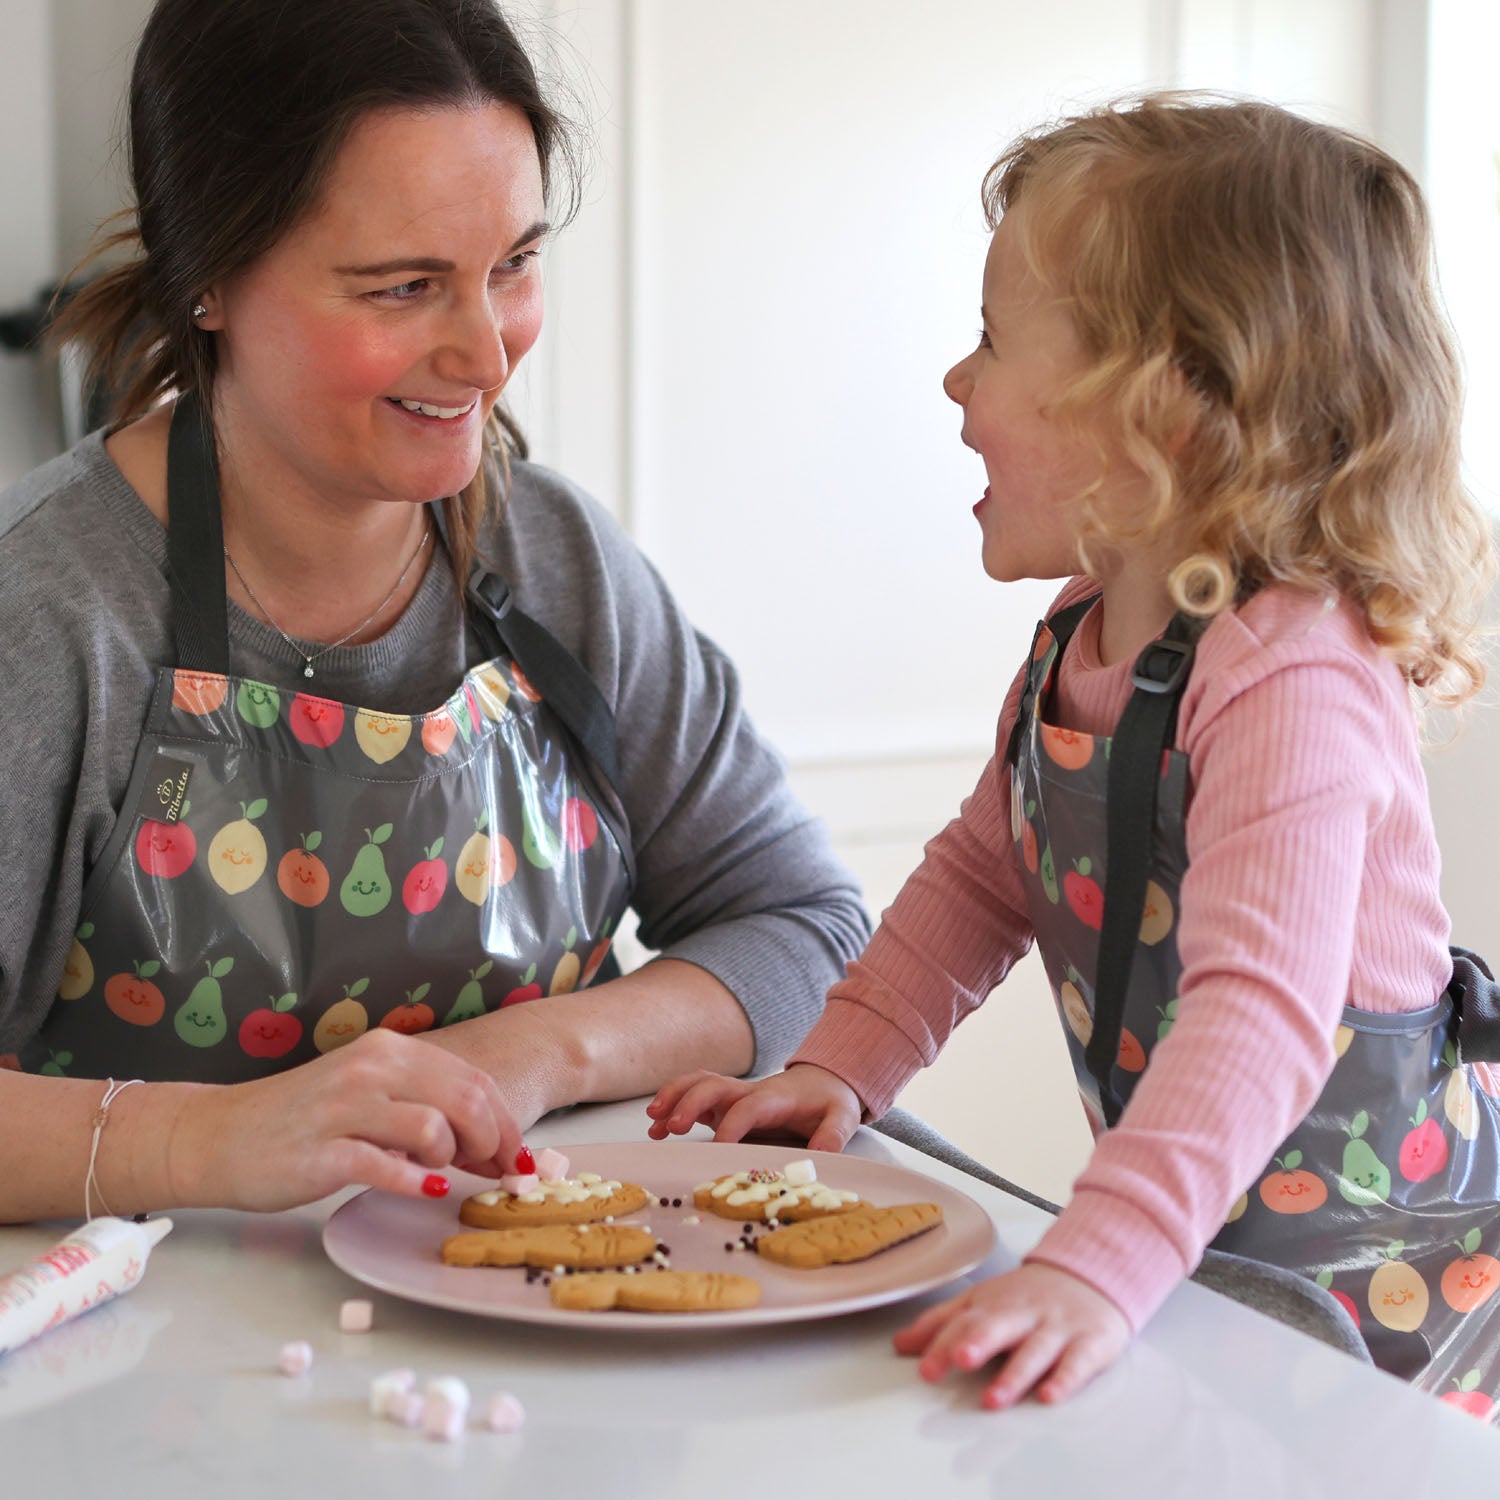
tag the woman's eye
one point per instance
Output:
(403, 293)
(519, 262)
(983, 339)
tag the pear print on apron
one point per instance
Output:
(1388, 1193)
(287, 871)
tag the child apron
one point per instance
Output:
(1388, 1192)
(287, 871)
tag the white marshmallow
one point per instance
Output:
(356, 1315)
(448, 1388)
(296, 1358)
(385, 1388)
(800, 1173)
(407, 1408)
(516, 1183)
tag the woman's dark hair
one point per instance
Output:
(238, 109)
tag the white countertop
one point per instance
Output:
(173, 1391)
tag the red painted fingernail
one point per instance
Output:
(435, 1186)
(525, 1161)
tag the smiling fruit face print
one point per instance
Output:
(381, 736)
(366, 891)
(237, 855)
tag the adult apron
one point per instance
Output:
(1388, 1192)
(287, 871)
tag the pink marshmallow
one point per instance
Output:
(407, 1408)
(296, 1358)
(502, 1412)
(551, 1166)
(516, 1183)
(356, 1315)
(443, 1421)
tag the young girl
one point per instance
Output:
(1213, 380)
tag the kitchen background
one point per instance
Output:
(778, 257)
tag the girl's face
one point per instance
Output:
(415, 282)
(1027, 356)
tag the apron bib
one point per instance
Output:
(1388, 1192)
(287, 871)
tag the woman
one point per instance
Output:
(312, 745)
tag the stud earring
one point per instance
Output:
(199, 311)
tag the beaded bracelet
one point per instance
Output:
(101, 1119)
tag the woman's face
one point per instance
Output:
(416, 281)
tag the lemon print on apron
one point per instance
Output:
(237, 855)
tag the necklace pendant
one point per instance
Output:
(307, 671)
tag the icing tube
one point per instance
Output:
(99, 1261)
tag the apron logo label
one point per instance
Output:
(169, 787)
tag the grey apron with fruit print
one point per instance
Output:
(1388, 1192)
(287, 871)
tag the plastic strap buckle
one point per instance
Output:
(1162, 666)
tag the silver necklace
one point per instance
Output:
(307, 661)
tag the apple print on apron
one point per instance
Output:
(287, 871)
(1388, 1193)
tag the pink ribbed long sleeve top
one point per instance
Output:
(1312, 884)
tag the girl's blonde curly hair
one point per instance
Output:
(1254, 292)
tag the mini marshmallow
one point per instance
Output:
(448, 1388)
(385, 1388)
(800, 1173)
(407, 1409)
(551, 1166)
(356, 1315)
(516, 1183)
(447, 1408)
(692, 1219)
(296, 1359)
(503, 1413)
(443, 1422)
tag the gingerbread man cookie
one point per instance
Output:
(656, 1291)
(584, 1199)
(570, 1245)
(841, 1238)
(786, 1196)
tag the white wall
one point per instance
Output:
(748, 324)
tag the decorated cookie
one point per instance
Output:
(840, 1238)
(584, 1199)
(656, 1291)
(592, 1245)
(763, 1194)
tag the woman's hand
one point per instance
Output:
(385, 1111)
(1060, 1333)
(805, 1100)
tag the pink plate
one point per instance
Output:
(393, 1243)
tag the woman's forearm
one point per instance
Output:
(613, 1041)
(47, 1125)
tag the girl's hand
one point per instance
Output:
(1060, 1333)
(385, 1111)
(807, 1101)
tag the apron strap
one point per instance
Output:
(556, 673)
(195, 542)
(1145, 732)
(1476, 996)
(1062, 625)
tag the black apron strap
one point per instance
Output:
(1062, 625)
(555, 672)
(1476, 997)
(195, 542)
(1145, 732)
